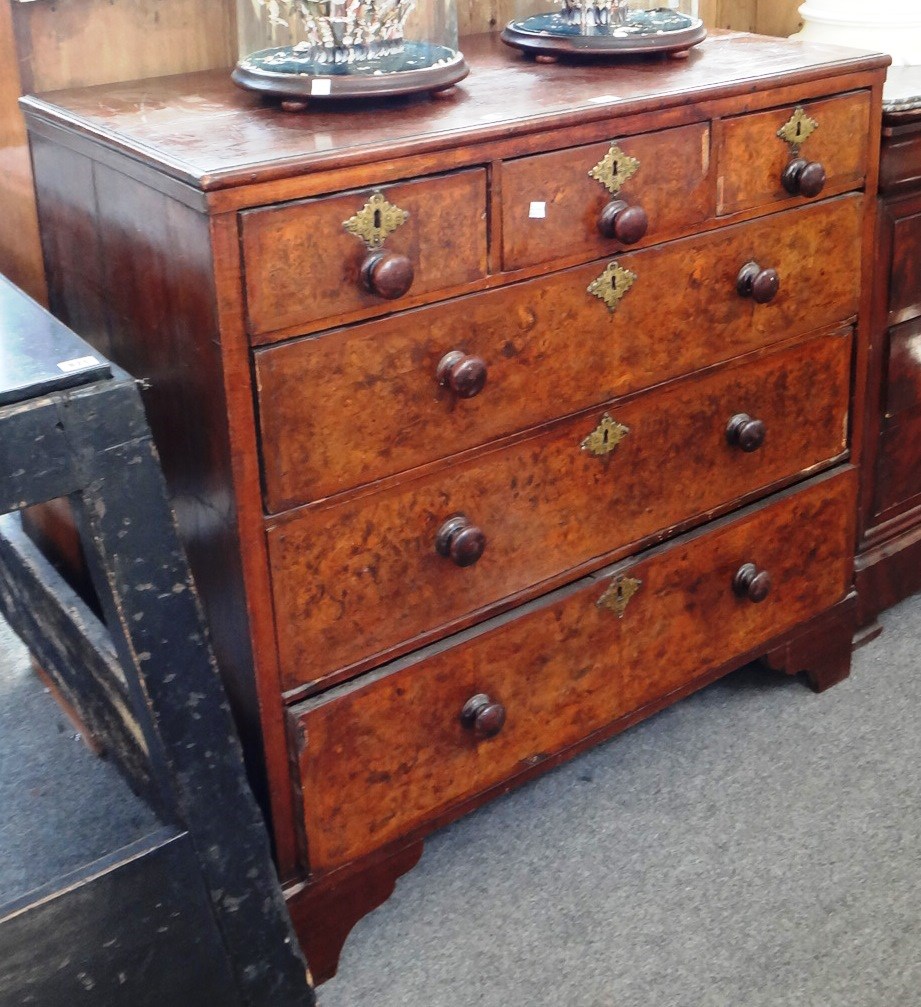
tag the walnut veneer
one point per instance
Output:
(571, 432)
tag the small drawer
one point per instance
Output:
(905, 271)
(898, 478)
(753, 157)
(383, 756)
(351, 406)
(903, 384)
(636, 188)
(354, 580)
(303, 261)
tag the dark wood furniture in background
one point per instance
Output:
(889, 557)
(192, 913)
(493, 424)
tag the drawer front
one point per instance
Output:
(302, 264)
(551, 203)
(903, 385)
(379, 758)
(352, 406)
(898, 479)
(355, 579)
(905, 272)
(753, 157)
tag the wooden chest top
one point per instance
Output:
(203, 131)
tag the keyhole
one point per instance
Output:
(606, 436)
(799, 130)
(377, 219)
(615, 168)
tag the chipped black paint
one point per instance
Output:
(159, 708)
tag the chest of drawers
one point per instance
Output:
(494, 424)
(889, 554)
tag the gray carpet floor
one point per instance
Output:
(60, 807)
(754, 846)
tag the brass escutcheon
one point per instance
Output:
(618, 594)
(614, 169)
(605, 437)
(798, 129)
(612, 285)
(376, 220)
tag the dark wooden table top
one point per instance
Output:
(38, 354)
(201, 129)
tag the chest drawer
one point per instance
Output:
(576, 491)
(302, 263)
(752, 156)
(552, 203)
(905, 271)
(380, 757)
(903, 373)
(354, 405)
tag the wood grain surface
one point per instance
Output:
(752, 156)
(302, 264)
(671, 183)
(202, 130)
(903, 376)
(379, 758)
(353, 580)
(358, 404)
(20, 252)
(898, 477)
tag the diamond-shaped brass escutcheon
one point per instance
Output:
(612, 285)
(614, 169)
(618, 595)
(798, 129)
(376, 220)
(605, 437)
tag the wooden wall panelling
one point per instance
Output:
(778, 17)
(767, 17)
(20, 253)
(74, 42)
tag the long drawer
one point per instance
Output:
(380, 757)
(355, 579)
(354, 405)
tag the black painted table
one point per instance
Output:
(191, 914)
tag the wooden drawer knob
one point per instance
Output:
(387, 274)
(803, 178)
(460, 541)
(627, 224)
(761, 285)
(752, 583)
(745, 433)
(484, 717)
(464, 375)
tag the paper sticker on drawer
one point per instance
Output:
(320, 85)
(537, 211)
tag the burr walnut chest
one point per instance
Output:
(493, 424)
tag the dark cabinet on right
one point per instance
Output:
(889, 554)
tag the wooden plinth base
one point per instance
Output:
(325, 912)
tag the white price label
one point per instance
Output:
(77, 364)
(320, 85)
(538, 211)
